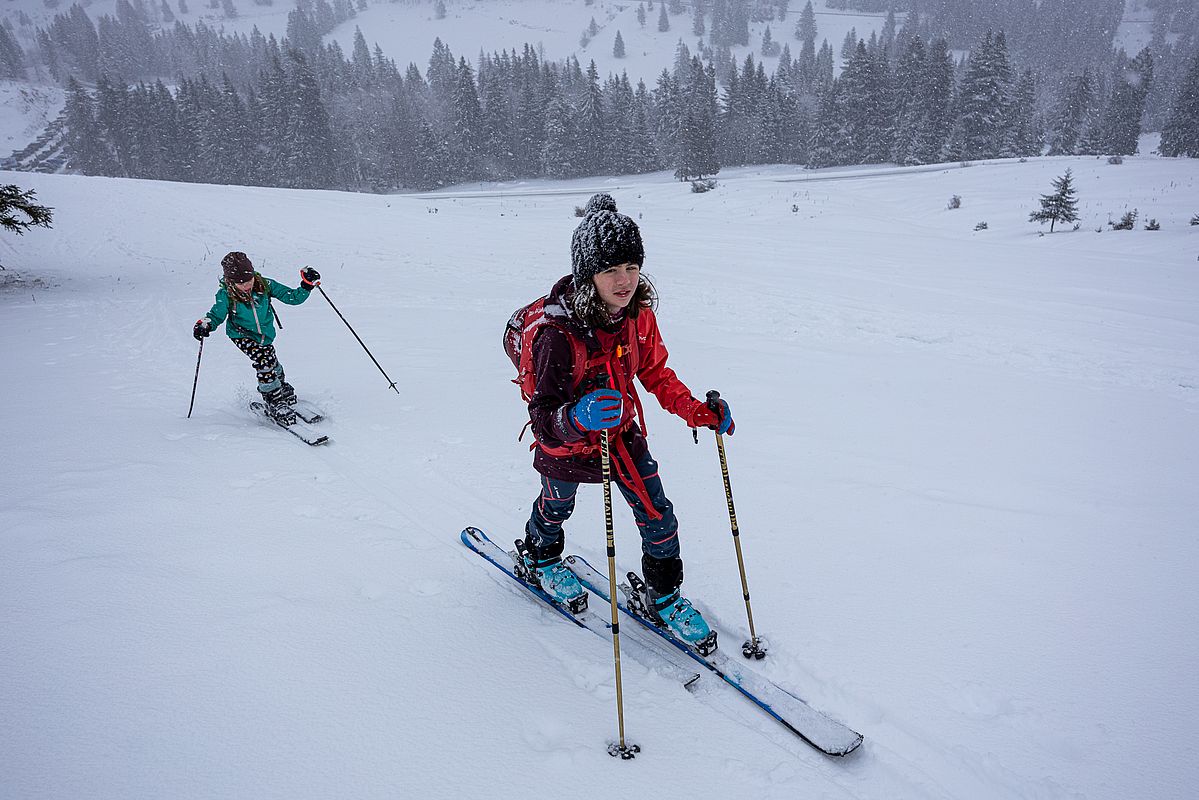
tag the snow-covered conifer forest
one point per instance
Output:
(384, 96)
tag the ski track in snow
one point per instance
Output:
(963, 472)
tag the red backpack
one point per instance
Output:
(520, 333)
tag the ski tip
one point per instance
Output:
(841, 753)
(471, 535)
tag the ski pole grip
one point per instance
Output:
(713, 396)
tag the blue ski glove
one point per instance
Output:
(598, 410)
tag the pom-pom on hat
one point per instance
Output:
(603, 239)
(237, 267)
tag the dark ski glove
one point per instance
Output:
(203, 328)
(715, 414)
(309, 278)
(598, 410)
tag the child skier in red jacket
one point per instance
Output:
(604, 312)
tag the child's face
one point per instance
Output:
(245, 285)
(616, 285)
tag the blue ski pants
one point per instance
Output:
(659, 537)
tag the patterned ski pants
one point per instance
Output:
(659, 537)
(265, 363)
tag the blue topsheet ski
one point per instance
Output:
(813, 727)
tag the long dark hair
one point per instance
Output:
(238, 296)
(591, 311)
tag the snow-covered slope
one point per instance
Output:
(964, 470)
(406, 30)
(554, 27)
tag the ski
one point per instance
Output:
(646, 651)
(299, 429)
(308, 412)
(478, 541)
(814, 727)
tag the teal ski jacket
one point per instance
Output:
(256, 319)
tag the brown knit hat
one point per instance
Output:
(237, 267)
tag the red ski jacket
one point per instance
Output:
(631, 348)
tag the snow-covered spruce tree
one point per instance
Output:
(12, 58)
(618, 46)
(1072, 113)
(310, 153)
(1060, 205)
(1026, 138)
(697, 151)
(1120, 126)
(431, 161)
(499, 143)
(1180, 136)
(909, 88)
(592, 140)
(466, 141)
(84, 144)
(983, 104)
(829, 139)
(663, 19)
(19, 212)
(805, 32)
(866, 118)
(561, 141)
(531, 118)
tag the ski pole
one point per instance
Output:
(390, 382)
(752, 648)
(196, 381)
(619, 748)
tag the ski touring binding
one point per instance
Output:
(638, 593)
(521, 561)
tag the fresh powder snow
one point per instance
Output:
(964, 471)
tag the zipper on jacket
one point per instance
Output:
(257, 324)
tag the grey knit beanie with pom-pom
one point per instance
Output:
(603, 239)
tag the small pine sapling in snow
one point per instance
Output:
(1126, 223)
(439, 10)
(706, 185)
(1152, 225)
(955, 202)
(982, 226)
(1195, 220)
(1059, 206)
(1114, 160)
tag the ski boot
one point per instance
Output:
(287, 394)
(673, 612)
(551, 576)
(277, 407)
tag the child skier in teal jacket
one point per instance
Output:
(243, 303)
